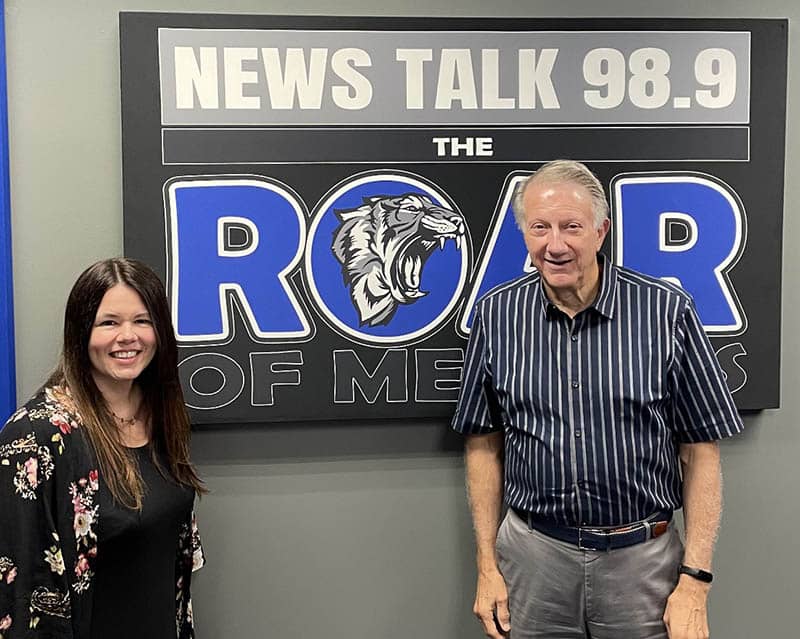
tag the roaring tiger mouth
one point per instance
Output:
(405, 273)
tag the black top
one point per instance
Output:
(134, 594)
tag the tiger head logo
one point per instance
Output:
(383, 245)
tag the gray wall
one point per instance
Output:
(348, 531)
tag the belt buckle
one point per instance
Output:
(604, 539)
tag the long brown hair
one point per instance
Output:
(162, 397)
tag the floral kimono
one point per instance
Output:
(49, 515)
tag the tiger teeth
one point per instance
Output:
(442, 240)
(458, 242)
(408, 268)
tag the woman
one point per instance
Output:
(96, 488)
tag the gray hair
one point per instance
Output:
(559, 171)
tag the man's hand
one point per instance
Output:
(686, 616)
(484, 461)
(491, 603)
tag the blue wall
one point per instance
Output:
(7, 377)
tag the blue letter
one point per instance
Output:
(685, 228)
(234, 238)
(387, 257)
(503, 256)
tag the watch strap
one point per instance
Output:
(696, 573)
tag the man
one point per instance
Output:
(584, 386)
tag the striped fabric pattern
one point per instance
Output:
(593, 408)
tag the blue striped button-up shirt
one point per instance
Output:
(594, 408)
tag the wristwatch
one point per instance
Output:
(700, 575)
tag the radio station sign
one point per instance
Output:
(284, 77)
(335, 193)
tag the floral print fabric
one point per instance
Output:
(49, 516)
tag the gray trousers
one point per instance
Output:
(557, 591)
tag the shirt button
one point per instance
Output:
(575, 384)
(581, 484)
(574, 338)
(577, 434)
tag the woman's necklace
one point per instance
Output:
(130, 421)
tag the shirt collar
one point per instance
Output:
(606, 298)
(605, 301)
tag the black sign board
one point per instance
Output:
(326, 198)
